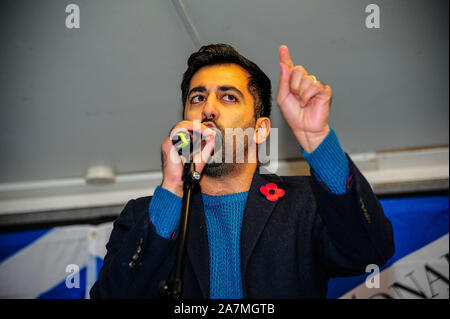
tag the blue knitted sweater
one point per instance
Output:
(224, 215)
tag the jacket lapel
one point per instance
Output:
(257, 212)
(197, 243)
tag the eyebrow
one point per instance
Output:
(202, 89)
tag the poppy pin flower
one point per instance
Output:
(272, 192)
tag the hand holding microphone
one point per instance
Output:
(187, 141)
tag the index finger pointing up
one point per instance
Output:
(285, 57)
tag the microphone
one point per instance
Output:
(181, 140)
(183, 143)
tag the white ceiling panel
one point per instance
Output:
(109, 91)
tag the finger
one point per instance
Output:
(296, 77)
(285, 56)
(206, 153)
(200, 157)
(190, 127)
(309, 93)
(305, 84)
(175, 157)
(169, 153)
(283, 85)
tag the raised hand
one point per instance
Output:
(304, 102)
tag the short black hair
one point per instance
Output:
(259, 84)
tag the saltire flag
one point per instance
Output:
(63, 262)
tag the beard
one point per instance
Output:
(217, 167)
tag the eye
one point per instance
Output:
(197, 99)
(230, 98)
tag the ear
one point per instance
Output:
(262, 130)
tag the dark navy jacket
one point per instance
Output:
(289, 247)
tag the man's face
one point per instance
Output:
(218, 94)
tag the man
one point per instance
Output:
(250, 235)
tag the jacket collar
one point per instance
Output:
(256, 214)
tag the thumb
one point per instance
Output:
(283, 85)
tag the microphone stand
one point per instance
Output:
(172, 288)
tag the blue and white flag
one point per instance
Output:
(60, 262)
(63, 262)
(420, 265)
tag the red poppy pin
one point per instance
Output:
(272, 192)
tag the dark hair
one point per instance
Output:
(259, 84)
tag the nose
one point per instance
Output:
(210, 110)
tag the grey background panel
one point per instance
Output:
(109, 91)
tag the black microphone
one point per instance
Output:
(183, 143)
